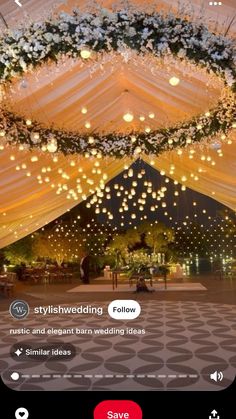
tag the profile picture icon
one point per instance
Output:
(19, 309)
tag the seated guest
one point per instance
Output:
(141, 286)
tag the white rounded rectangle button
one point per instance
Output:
(124, 309)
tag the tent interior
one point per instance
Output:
(92, 97)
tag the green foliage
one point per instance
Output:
(58, 247)
(20, 251)
(157, 236)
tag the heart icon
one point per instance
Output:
(21, 413)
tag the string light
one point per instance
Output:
(52, 145)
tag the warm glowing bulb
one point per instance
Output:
(84, 110)
(128, 117)
(87, 125)
(174, 81)
(151, 115)
(85, 53)
(28, 122)
(138, 150)
(52, 146)
(36, 136)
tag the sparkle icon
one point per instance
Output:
(18, 352)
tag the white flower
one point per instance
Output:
(113, 17)
(182, 53)
(23, 64)
(230, 80)
(48, 36)
(26, 47)
(131, 31)
(104, 12)
(64, 26)
(56, 38)
(96, 22)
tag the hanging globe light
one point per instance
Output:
(151, 115)
(174, 81)
(128, 117)
(52, 145)
(85, 53)
(87, 125)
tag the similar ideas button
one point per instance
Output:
(124, 309)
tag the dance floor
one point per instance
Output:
(184, 342)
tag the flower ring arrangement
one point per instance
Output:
(84, 34)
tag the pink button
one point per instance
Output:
(118, 409)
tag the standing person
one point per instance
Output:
(84, 269)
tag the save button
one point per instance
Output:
(118, 409)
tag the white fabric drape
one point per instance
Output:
(57, 95)
(26, 205)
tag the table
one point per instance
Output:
(114, 277)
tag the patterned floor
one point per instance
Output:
(184, 343)
(191, 286)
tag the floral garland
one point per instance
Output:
(25, 49)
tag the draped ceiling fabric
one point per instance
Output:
(28, 193)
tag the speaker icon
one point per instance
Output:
(217, 376)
